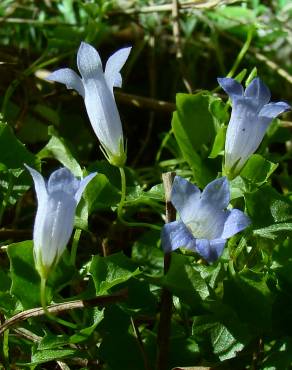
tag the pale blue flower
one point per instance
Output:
(251, 115)
(96, 87)
(205, 224)
(57, 202)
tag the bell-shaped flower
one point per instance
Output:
(96, 87)
(205, 224)
(251, 115)
(57, 202)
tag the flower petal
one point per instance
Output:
(272, 110)
(88, 61)
(175, 235)
(57, 227)
(62, 180)
(244, 133)
(42, 197)
(68, 77)
(217, 193)
(235, 222)
(103, 114)
(114, 65)
(185, 197)
(210, 250)
(258, 91)
(208, 222)
(82, 185)
(39, 184)
(231, 87)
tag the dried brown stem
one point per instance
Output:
(15, 234)
(177, 40)
(145, 103)
(197, 4)
(61, 307)
(166, 296)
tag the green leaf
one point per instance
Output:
(99, 194)
(251, 298)
(85, 333)
(217, 337)
(5, 281)
(137, 195)
(184, 281)
(40, 357)
(146, 252)
(58, 148)
(14, 180)
(266, 206)
(116, 331)
(258, 170)
(194, 115)
(51, 341)
(195, 129)
(219, 142)
(231, 16)
(110, 271)
(7, 303)
(13, 153)
(141, 301)
(272, 231)
(25, 279)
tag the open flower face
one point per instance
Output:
(57, 202)
(204, 224)
(96, 87)
(251, 115)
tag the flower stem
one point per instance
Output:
(242, 52)
(121, 205)
(6, 350)
(45, 308)
(74, 247)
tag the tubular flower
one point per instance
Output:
(251, 115)
(96, 87)
(57, 202)
(204, 224)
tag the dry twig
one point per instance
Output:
(166, 296)
(61, 307)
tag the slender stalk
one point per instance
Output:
(163, 145)
(43, 294)
(163, 333)
(242, 52)
(6, 349)
(45, 308)
(140, 344)
(76, 238)
(121, 205)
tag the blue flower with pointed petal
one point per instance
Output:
(96, 87)
(251, 115)
(204, 224)
(57, 202)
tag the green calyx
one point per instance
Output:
(117, 159)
